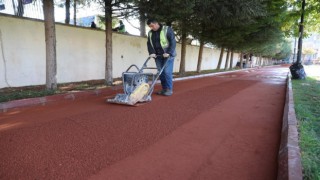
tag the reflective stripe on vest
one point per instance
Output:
(163, 37)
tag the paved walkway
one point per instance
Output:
(220, 127)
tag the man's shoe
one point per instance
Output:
(167, 92)
(161, 92)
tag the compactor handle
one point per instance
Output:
(144, 66)
(133, 65)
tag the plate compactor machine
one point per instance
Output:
(137, 85)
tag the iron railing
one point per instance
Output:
(22, 8)
(34, 9)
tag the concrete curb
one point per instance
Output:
(289, 160)
(4, 107)
(207, 75)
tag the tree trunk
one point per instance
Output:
(108, 31)
(220, 58)
(14, 7)
(142, 19)
(258, 60)
(241, 60)
(50, 37)
(247, 60)
(231, 60)
(200, 56)
(20, 11)
(301, 27)
(183, 52)
(227, 60)
(75, 12)
(67, 21)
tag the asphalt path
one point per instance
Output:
(220, 127)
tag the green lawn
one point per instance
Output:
(307, 107)
(22, 94)
(10, 94)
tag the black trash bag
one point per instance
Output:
(297, 71)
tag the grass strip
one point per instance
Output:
(307, 106)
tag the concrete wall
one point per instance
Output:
(80, 53)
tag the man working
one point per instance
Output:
(162, 46)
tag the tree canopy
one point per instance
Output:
(243, 25)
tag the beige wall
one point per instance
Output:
(80, 53)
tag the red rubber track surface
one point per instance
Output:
(220, 127)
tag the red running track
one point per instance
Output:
(219, 127)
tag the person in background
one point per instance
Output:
(162, 47)
(93, 25)
(121, 28)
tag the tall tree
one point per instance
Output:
(20, 11)
(74, 3)
(142, 19)
(67, 20)
(200, 56)
(293, 15)
(75, 12)
(141, 10)
(111, 7)
(183, 52)
(241, 60)
(201, 17)
(260, 34)
(227, 60)
(231, 60)
(219, 21)
(184, 18)
(301, 28)
(50, 37)
(108, 32)
(220, 58)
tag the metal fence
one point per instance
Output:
(34, 9)
(22, 8)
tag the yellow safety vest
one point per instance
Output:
(163, 37)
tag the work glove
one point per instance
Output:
(152, 55)
(166, 55)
